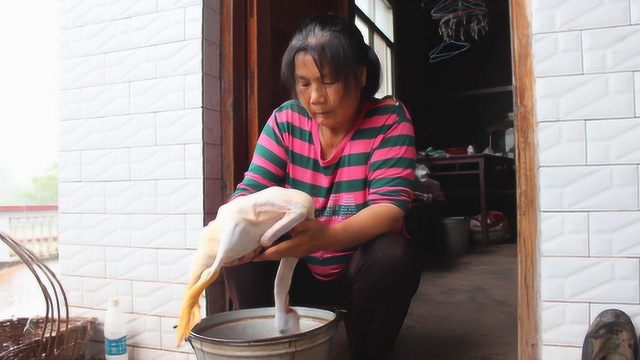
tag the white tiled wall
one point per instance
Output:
(131, 164)
(587, 65)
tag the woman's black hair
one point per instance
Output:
(336, 42)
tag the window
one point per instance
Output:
(374, 18)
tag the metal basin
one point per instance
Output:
(250, 334)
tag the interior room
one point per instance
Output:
(453, 73)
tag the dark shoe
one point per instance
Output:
(611, 336)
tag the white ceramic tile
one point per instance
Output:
(131, 65)
(122, 9)
(70, 104)
(193, 161)
(613, 141)
(174, 265)
(106, 229)
(127, 263)
(106, 37)
(108, 100)
(155, 298)
(194, 223)
(557, 53)
(636, 80)
(179, 127)
(180, 58)
(80, 260)
(157, 231)
(635, 11)
(77, 13)
(157, 95)
(97, 292)
(81, 198)
(66, 12)
(169, 336)
(589, 188)
(180, 196)
(157, 162)
(83, 72)
(142, 353)
(73, 288)
(130, 131)
(164, 5)
(564, 234)
(70, 229)
(144, 331)
(69, 166)
(561, 143)
(551, 15)
(585, 97)
(193, 22)
(560, 352)
(613, 49)
(589, 279)
(81, 134)
(615, 234)
(70, 43)
(106, 165)
(157, 28)
(134, 197)
(564, 323)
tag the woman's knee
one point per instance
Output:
(388, 259)
(390, 252)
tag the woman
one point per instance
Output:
(354, 154)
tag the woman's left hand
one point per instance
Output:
(309, 237)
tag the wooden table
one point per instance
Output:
(495, 176)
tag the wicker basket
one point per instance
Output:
(55, 336)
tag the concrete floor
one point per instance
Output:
(465, 309)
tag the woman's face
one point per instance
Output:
(325, 98)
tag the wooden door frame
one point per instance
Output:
(235, 129)
(233, 94)
(526, 180)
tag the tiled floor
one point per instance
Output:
(465, 309)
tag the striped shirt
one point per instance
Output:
(373, 164)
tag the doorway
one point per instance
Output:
(235, 127)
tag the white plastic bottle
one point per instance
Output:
(115, 332)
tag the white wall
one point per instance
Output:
(587, 66)
(131, 165)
